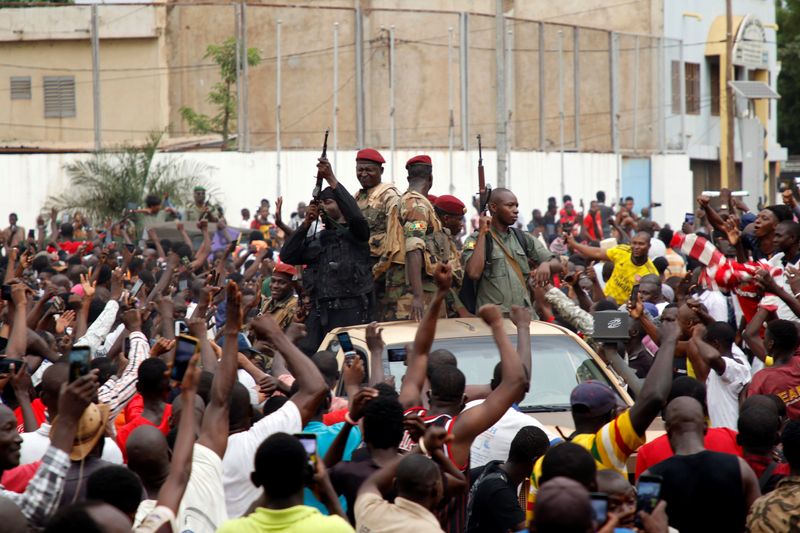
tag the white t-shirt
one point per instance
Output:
(249, 383)
(494, 443)
(237, 465)
(202, 509)
(35, 444)
(723, 391)
(657, 249)
(716, 303)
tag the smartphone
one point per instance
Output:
(180, 327)
(648, 492)
(6, 292)
(31, 234)
(58, 304)
(347, 347)
(136, 287)
(635, 294)
(185, 348)
(599, 507)
(396, 355)
(79, 359)
(6, 362)
(309, 442)
(183, 285)
(688, 218)
(130, 247)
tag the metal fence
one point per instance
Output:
(386, 78)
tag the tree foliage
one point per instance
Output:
(787, 14)
(109, 182)
(223, 94)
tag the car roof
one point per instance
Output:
(454, 328)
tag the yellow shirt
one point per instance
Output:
(610, 446)
(626, 274)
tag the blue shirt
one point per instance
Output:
(325, 437)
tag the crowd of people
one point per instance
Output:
(157, 385)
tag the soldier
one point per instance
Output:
(201, 209)
(501, 274)
(282, 304)
(375, 199)
(342, 288)
(442, 246)
(406, 259)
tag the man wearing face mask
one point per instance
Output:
(375, 198)
(339, 255)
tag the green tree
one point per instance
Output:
(223, 94)
(109, 182)
(787, 13)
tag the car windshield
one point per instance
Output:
(559, 363)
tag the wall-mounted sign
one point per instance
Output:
(750, 47)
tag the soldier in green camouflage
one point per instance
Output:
(201, 209)
(375, 199)
(441, 245)
(406, 258)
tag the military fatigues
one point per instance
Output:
(411, 220)
(499, 283)
(375, 205)
(282, 311)
(341, 286)
(440, 246)
(193, 212)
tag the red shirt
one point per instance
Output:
(782, 381)
(137, 420)
(72, 246)
(17, 479)
(716, 440)
(38, 410)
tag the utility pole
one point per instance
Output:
(500, 107)
(728, 165)
(98, 126)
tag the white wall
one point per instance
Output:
(242, 179)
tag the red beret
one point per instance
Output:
(432, 198)
(370, 154)
(450, 205)
(419, 160)
(283, 268)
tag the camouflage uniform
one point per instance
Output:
(282, 311)
(411, 220)
(441, 248)
(375, 205)
(192, 212)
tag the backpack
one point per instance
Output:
(469, 287)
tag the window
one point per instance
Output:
(692, 75)
(59, 96)
(713, 74)
(20, 87)
(692, 88)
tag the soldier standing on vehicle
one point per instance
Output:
(498, 256)
(375, 199)
(406, 259)
(442, 246)
(339, 257)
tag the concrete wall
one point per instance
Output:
(40, 42)
(242, 179)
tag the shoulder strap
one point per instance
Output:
(474, 489)
(510, 258)
(763, 481)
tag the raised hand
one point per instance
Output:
(443, 276)
(360, 401)
(162, 346)
(374, 338)
(67, 319)
(491, 314)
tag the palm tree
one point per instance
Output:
(106, 184)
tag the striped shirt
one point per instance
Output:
(117, 392)
(610, 446)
